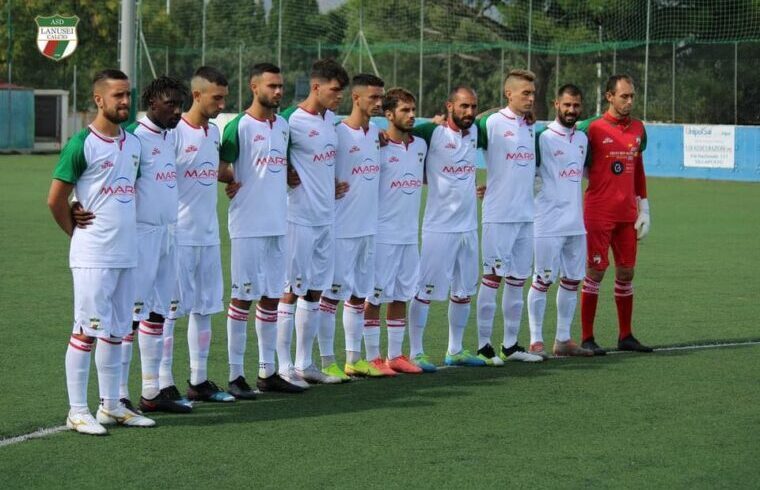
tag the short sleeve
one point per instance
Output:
(72, 162)
(229, 150)
(425, 131)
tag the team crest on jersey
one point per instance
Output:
(617, 167)
(530, 131)
(508, 134)
(313, 133)
(421, 156)
(57, 36)
(155, 151)
(136, 160)
(581, 149)
(191, 148)
(354, 149)
(95, 323)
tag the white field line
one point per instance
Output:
(54, 430)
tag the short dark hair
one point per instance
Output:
(109, 74)
(612, 82)
(212, 75)
(328, 69)
(569, 89)
(260, 68)
(367, 80)
(163, 86)
(526, 75)
(454, 91)
(395, 95)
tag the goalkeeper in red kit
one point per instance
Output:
(616, 209)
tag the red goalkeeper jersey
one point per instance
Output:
(615, 168)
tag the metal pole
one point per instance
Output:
(168, 7)
(501, 80)
(319, 50)
(646, 59)
(127, 43)
(673, 86)
(10, 46)
(448, 71)
(599, 74)
(166, 59)
(530, 29)
(614, 60)
(422, 27)
(203, 34)
(556, 76)
(736, 82)
(361, 30)
(395, 66)
(74, 98)
(240, 77)
(279, 34)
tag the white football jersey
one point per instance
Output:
(103, 171)
(510, 154)
(197, 150)
(257, 149)
(402, 169)
(559, 204)
(157, 183)
(312, 150)
(357, 162)
(451, 205)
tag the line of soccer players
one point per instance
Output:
(323, 211)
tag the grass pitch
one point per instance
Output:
(671, 419)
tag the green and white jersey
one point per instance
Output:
(451, 205)
(358, 163)
(103, 171)
(559, 204)
(510, 154)
(402, 168)
(157, 183)
(312, 151)
(257, 150)
(197, 150)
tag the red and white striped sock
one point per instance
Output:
(624, 303)
(418, 314)
(459, 313)
(589, 300)
(536, 309)
(150, 340)
(77, 372)
(372, 338)
(108, 364)
(353, 327)
(396, 328)
(511, 308)
(266, 331)
(567, 299)
(326, 336)
(237, 336)
(486, 310)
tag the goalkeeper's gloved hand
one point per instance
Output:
(643, 221)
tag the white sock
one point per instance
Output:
(266, 331)
(536, 309)
(418, 314)
(307, 326)
(285, 320)
(396, 328)
(237, 336)
(459, 313)
(353, 327)
(511, 306)
(372, 338)
(567, 299)
(165, 376)
(126, 362)
(150, 340)
(198, 343)
(108, 364)
(326, 336)
(78, 372)
(486, 310)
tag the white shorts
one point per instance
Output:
(508, 249)
(354, 272)
(310, 258)
(448, 261)
(258, 267)
(565, 254)
(397, 271)
(199, 276)
(156, 272)
(103, 300)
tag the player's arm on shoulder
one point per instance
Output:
(480, 122)
(425, 131)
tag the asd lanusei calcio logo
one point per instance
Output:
(57, 36)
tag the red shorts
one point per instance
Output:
(601, 235)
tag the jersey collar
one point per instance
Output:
(270, 121)
(561, 130)
(507, 112)
(120, 139)
(150, 125)
(204, 128)
(623, 121)
(401, 143)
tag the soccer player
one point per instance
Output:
(397, 258)
(616, 209)
(311, 212)
(199, 259)
(507, 242)
(358, 163)
(100, 165)
(156, 273)
(560, 237)
(449, 255)
(253, 155)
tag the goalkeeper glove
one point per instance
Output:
(642, 221)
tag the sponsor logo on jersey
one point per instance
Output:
(368, 169)
(354, 149)
(274, 162)
(191, 148)
(508, 134)
(607, 141)
(204, 175)
(121, 189)
(462, 170)
(558, 153)
(408, 183)
(451, 145)
(107, 164)
(618, 167)
(313, 133)
(167, 176)
(393, 159)
(571, 172)
(155, 151)
(259, 137)
(522, 156)
(327, 156)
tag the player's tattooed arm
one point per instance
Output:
(82, 218)
(58, 202)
